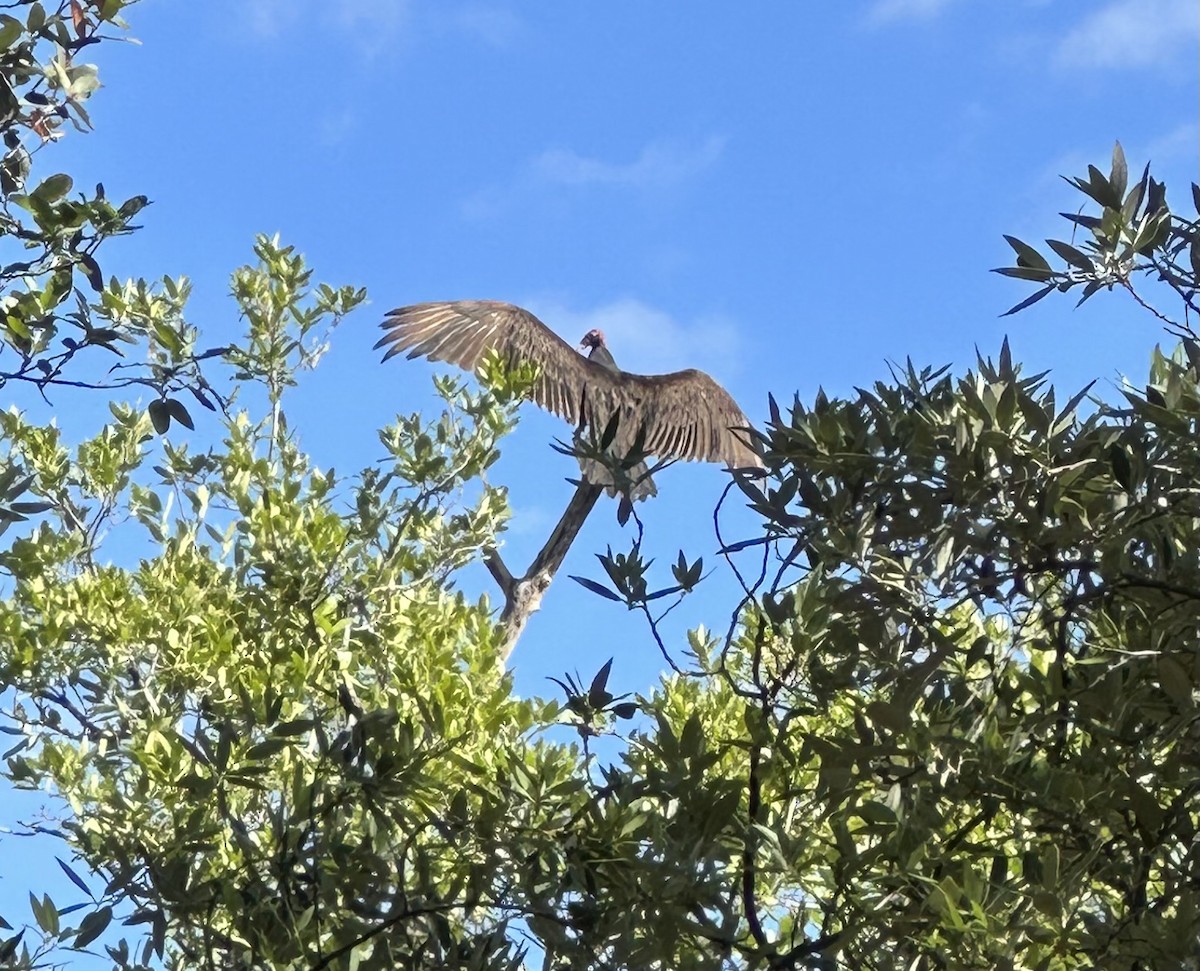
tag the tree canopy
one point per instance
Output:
(949, 723)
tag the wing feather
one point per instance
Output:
(689, 416)
(683, 415)
(461, 333)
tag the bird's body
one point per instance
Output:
(639, 483)
(600, 352)
(681, 415)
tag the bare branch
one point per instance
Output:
(523, 597)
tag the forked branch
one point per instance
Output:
(523, 596)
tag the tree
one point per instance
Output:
(957, 705)
(50, 268)
(950, 723)
(50, 331)
(234, 718)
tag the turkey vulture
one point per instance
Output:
(638, 475)
(681, 415)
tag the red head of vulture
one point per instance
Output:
(681, 415)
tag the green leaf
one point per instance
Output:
(598, 695)
(1119, 176)
(1047, 903)
(91, 270)
(1101, 190)
(74, 877)
(177, 411)
(1122, 469)
(53, 188)
(10, 30)
(1089, 291)
(300, 726)
(1029, 300)
(1068, 412)
(889, 716)
(9, 948)
(45, 913)
(1050, 864)
(1027, 256)
(266, 748)
(1081, 219)
(876, 812)
(1156, 196)
(593, 586)
(1025, 273)
(998, 873)
(1146, 808)
(58, 288)
(1149, 233)
(1133, 201)
(1073, 256)
(1192, 349)
(1175, 683)
(92, 926)
(131, 207)
(160, 416)
(30, 508)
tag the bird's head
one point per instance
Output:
(592, 339)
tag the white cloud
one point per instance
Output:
(532, 520)
(660, 163)
(888, 11)
(493, 25)
(269, 18)
(1131, 34)
(1170, 148)
(1171, 155)
(373, 21)
(382, 16)
(647, 340)
(335, 128)
(1178, 142)
(486, 204)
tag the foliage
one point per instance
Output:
(50, 239)
(1135, 234)
(257, 727)
(951, 723)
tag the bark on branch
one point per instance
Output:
(523, 595)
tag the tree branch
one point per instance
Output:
(523, 596)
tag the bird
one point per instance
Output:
(681, 415)
(641, 485)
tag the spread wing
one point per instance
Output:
(463, 331)
(685, 415)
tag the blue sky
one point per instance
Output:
(785, 195)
